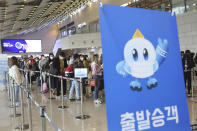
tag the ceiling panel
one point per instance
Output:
(21, 15)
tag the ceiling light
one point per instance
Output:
(194, 4)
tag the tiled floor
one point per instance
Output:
(65, 119)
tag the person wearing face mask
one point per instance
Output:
(75, 83)
(35, 68)
(54, 71)
(81, 65)
(81, 58)
(42, 67)
(85, 62)
(69, 73)
(61, 65)
(29, 67)
(22, 66)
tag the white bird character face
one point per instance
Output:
(140, 57)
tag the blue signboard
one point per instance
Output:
(20, 46)
(143, 72)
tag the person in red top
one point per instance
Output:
(69, 71)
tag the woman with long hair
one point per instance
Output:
(96, 74)
(15, 74)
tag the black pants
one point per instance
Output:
(84, 86)
(59, 87)
(188, 80)
(54, 82)
(28, 77)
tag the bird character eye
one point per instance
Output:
(145, 54)
(135, 54)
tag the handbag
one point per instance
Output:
(45, 88)
(92, 82)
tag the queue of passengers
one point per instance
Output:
(61, 66)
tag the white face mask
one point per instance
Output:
(81, 59)
(51, 57)
(61, 58)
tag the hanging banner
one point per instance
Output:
(3, 70)
(143, 73)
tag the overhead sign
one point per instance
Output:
(4, 69)
(143, 72)
(21, 46)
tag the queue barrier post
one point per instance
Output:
(22, 126)
(30, 82)
(14, 102)
(82, 116)
(50, 95)
(41, 90)
(8, 87)
(62, 93)
(26, 77)
(29, 111)
(11, 95)
(42, 116)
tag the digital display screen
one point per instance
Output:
(21, 46)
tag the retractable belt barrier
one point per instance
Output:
(43, 114)
(51, 122)
(62, 106)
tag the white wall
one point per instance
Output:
(81, 41)
(187, 28)
(48, 36)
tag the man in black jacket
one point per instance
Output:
(188, 64)
(61, 65)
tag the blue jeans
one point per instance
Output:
(75, 85)
(97, 87)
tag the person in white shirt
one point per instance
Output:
(15, 74)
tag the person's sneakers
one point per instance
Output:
(78, 99)
(189, 95)
(58, 97)
(72, 100)
(100, 99)
(17, 104)
(97, 102)
(65, 97)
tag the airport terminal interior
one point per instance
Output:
(52, 69)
